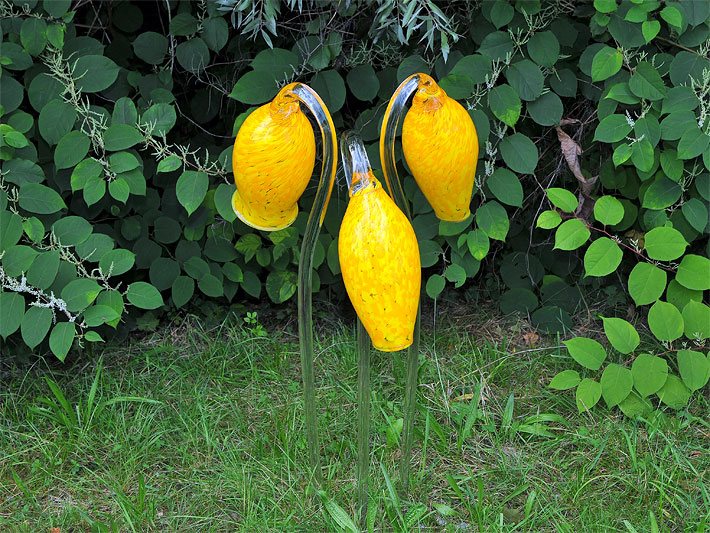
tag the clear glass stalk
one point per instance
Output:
(390, 125)
(357, 169)
(315, 105)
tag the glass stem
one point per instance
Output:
(390, 124)
(305, 268)
(363, 432)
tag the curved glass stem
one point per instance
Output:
(393, 117)
(326, 181)
(357, 169)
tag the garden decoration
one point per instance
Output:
(440, 146)
(379, 260)
(273, 159)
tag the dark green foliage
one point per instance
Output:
(115, 148)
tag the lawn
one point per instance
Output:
(199, 428)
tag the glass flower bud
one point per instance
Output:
(379, 261)
(273, 159)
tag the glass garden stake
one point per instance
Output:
(273, 160)
(379, 260)
(440, 145)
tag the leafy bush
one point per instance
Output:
(118, 120)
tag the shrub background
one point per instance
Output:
(592, 184)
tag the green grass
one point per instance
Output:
(201, 430)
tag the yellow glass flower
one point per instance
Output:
(440, 145)
(273, 159)
(379, 260)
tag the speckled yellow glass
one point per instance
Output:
(273, 159)
(379, 260)
(440, 145)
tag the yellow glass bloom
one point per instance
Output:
(379, 260)
(440, 145)
(273, 159)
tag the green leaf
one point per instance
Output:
(191, 189)
(642, 155)
(506, 187)
(182, 290)
(117, 262)
(608, 210)
(457, 86)
(61, 339)
(331, 88)
(587, 352)
(278, 63)
(605, 6)
(571, 234)
(492, 218)
(674, 393)
(363, 82)
(564, 380)
(183, 24)
(649, 373)
(602, 257)
(151, 47)
(694, 272)
(562, 199)
(71, 230)
(456, 274)
(435, 285)
(548, 219)
(519, 153)
(607, 62)
(587, 394)
(692, 143)
(634, 406)
(223, 201)
(621, 334)
(193, 55)
(672, 16)
(664, 244)
(85, 171)
(33, 35)
(18, 260)
(97, 315)
(680, 99)
(35, 325)
(646, 82)
(215, 32)
(696, 320)
(543, 47)
(671, 165)
(170, 163)
(694, 369)
(650, 29)
(71, 149)
(161, 117)
(144, 296)
(616, 383)
(281, 285)
(646, 283)
(94, 73)
(696, 213)
(612, 128)
(505, 104)
(119, 189)
(80, 293)
(475, 67)
(661, 193)
(620, 92)
(40, 199)
(211, 286)
(546, 110)
(121, 137)
(526, 79)
(478, 244)
(12, 309)
(56, 119)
